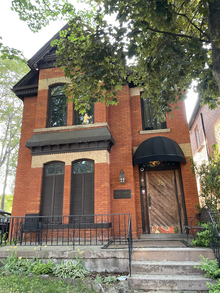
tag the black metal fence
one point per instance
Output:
(215, 236)
(102, 229)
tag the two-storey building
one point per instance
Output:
(69, 164)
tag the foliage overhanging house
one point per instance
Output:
(69, 164)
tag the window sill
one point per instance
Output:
(71, 127)
(155, 131)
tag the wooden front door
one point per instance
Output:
(162, 202)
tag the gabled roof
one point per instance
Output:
(44, 58)
(37, 59)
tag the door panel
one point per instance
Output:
(162, 202)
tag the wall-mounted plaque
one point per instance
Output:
(122, 193)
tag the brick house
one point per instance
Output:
(204, 126)
(69, 164)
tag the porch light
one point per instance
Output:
(122, 177)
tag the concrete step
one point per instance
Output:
(164, 237)
(166, 268)
(168, 282)
(171, 254)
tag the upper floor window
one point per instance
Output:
(86, 118)
(57, 107)
(198, 144)
(149, 119)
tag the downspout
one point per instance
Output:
(204, 135)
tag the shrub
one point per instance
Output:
(70, 270)
(43, 268)
(214, 288)
(203, 237)
(212, 271)
(17, 265)
(210, 267)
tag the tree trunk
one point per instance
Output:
(214, 27)
(5, 183)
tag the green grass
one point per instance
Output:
(23, 284)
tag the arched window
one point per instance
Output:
(52, 189)
(57, 107)
(82, 189)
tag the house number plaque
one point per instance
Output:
(122, 193)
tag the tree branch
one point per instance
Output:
(190, 21)
(177, 35)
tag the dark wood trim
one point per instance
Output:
(178, 204)
(145, 212)
(71, 191)
(54, 181)
(183, 196)
(72, 147)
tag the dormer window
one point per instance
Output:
(57, 107)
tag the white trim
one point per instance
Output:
(71, 127)
(155, 131)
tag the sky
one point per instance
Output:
(15, 33)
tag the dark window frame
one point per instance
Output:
(49, 105)
(43, 182)
(163, 124)
(91, 219)
(75, 113)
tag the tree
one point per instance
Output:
(10, 120)
(209, 176)
(171, 42)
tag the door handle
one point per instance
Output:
(149, 201)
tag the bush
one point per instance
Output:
(214, 288)
(17, 265)
(210, 267)
(204, 236)
(212, 271)
(43, 268)
(70, 270)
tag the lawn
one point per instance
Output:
(35, 284)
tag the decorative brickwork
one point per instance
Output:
(124, 122)
(68, 158)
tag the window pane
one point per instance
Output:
(54, 169)
(87, 118)
(58, 107)
(57, 90)
(150, 121)
(58, 111)
(83, 167)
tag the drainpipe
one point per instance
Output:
(204, 135)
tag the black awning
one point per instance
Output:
(71, 141)
(67, 137)
(158, 148)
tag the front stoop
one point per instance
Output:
(169, 269)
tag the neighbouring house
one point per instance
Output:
(69, 164)
(204, 126)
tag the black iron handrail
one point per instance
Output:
(215, 236)
(130, 243)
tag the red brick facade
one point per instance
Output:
(211, 120)
(125, 123)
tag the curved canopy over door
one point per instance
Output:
(158, 148)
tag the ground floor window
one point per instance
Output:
(52, 189)
(82, 190)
